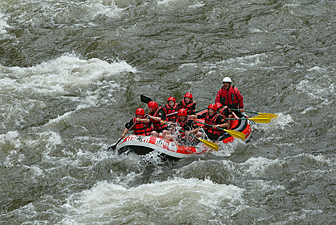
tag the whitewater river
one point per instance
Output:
(71, 76)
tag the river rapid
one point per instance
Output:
(71, 75)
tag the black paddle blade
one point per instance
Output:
(145, 99)
(112, 147)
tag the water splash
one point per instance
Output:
(111, 203)
(3, 24)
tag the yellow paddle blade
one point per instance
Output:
(261, 119)
(236, 134)
(210, 144)
(269, 115)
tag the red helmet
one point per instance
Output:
(140, 111)
(218, 105)
(182, 112)
(171, 99)
(153, 105)
(212, 106)
(188, 95)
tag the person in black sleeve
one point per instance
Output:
(140, 124)
(213, 120)
(157, 115)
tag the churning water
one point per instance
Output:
(71, 75)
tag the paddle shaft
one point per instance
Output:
(211, 125)
(252, 112)
(236, 119)
(115, 145)
(233, 133)
(244, 110)
(257, 119)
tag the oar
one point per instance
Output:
(171, 114)
(146, 99)
(261, 114)
(233, 133)
(113, 147)
(210, 144)
(257, 119)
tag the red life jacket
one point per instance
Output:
(229, 97)
(212, 121)
(188, 107)
(141, 128)
(171, 110)
(157, 125)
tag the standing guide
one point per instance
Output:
(230, 96)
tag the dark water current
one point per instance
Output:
(71, 75)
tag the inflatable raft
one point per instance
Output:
(142, 145)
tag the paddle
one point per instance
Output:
(233, 133)
(171, 114)
(261, 114)
(257, 119)
(112, 147)
(210, 144)
(146, 99)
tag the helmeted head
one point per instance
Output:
(171, 99)
(212, 109)
(152, 105)
(227, 82)
(140, 112)
(182, 112)
(188, 95)
(218, 105)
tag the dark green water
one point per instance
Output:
(71, 75)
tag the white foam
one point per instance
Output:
(3, 24)
(11, 138)
(228, 148)
(197, 5)
(318, 69)
(317, 158)
(255, 30)
(165, 2)
(282, 121)
(238, 63)
(72, 13)
(64, 74)
(257, 166)
(100, 7)
(112, 203)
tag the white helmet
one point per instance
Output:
(227, 80)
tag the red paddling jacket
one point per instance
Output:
(212, 120)
(140, 128)
(191, 107)
(231, 97)
(171, 110)
(160, 112)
